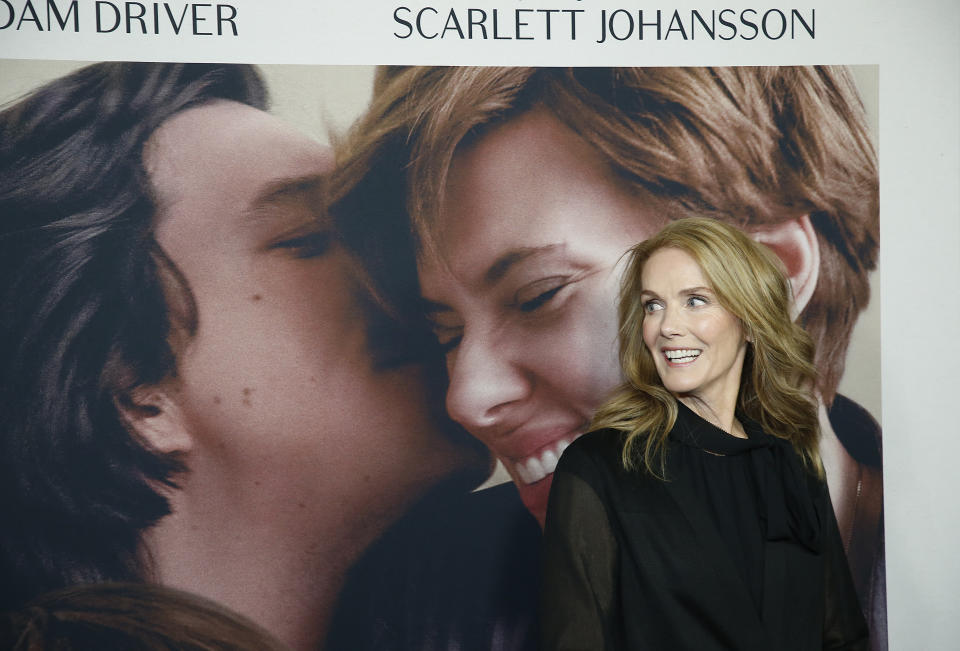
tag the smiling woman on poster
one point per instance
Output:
(496, 203)
(696, 516)
(188, 387)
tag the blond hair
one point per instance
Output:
(776, 386)
(751, 146)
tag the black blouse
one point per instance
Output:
(737, 549)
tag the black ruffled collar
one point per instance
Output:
(695, 431)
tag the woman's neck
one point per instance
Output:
(721, 414)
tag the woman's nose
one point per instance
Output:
(485, 381)
(671, 322)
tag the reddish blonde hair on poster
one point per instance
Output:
(751, 146)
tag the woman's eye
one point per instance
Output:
(540, 300)
(652, 306)
(308, 245)
(538, 294)
(696, 301)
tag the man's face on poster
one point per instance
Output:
(275, 395)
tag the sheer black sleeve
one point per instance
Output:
(577, 607)
(844, 626)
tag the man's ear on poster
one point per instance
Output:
(795, 243)
(156, 417)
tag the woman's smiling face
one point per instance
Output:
(522, 290)
(697, 345)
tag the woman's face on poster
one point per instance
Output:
(522, 290)
(276, 393)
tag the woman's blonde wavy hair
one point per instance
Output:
(779, 376)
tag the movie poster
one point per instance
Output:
(353, 312)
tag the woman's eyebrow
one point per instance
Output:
(508, 259)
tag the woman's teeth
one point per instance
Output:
(537, 467)
(681, 356)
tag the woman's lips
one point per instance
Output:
(681, 356)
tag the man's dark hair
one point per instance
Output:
(89, 305)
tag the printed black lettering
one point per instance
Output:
(397, 18)
(420, 25)
(101, 4)
(676, 25)
(34, 18)
(176, 24)
(795, 16)
(199, 19)
(221, 19)
(710, 30)
(743, 19)
(130, 16)
(60, 18)
(548, 13)
(643, 24)
(481, 23)
(452, 18)
(766, 27)
(496, 28)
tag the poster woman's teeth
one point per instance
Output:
(538, 466)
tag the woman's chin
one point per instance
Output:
(534, 496)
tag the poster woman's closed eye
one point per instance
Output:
(697, 516)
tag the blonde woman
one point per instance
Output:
(696, 516)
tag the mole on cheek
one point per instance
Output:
(256, 297)
(247, 391)
(217, 400)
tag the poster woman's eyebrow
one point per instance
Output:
(507, 260)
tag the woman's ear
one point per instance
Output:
(153, 413)
(795, 243)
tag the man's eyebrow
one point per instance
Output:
(430, 308)
(287, 188)
(507, 260)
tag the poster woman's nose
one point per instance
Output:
(486, 381)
